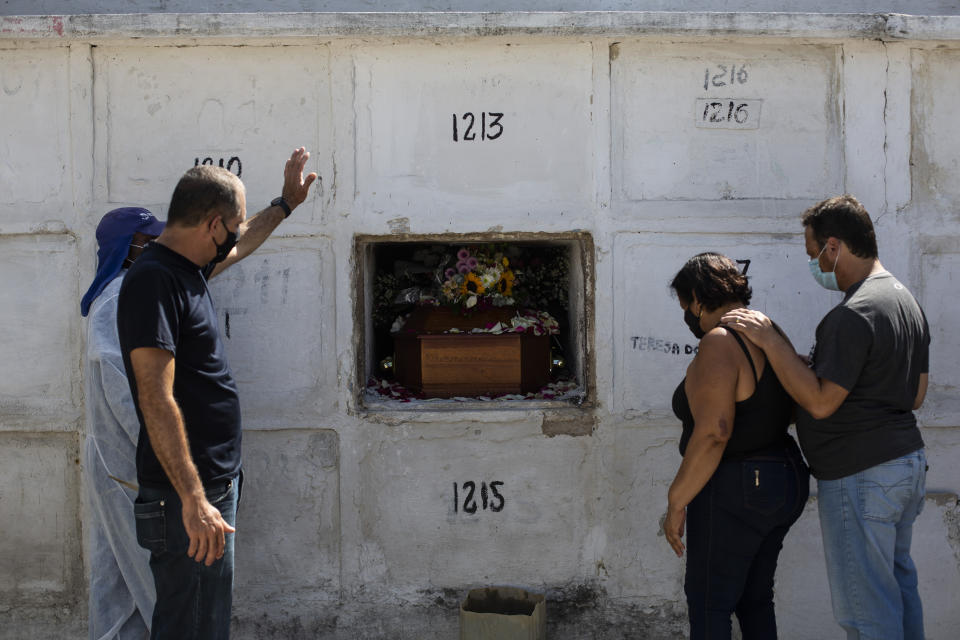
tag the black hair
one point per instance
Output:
(202, 192)
(714, 278)
(844, 218)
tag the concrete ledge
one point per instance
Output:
(883, 26)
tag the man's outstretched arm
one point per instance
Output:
(258, 228)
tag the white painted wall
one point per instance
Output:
(410, 165)
(347, 529)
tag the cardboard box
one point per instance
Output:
(503, 613)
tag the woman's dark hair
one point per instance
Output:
(714, 278)
(843, 218)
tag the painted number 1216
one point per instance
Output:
(727, 114)
(718, 77)
(468, 127)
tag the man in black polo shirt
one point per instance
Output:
(188, 453)
(867, 373)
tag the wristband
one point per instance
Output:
(280, 202)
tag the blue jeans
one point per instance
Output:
(193, 600)
(867, 523)
(735, 531)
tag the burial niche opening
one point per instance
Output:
(463, 319)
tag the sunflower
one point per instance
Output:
(505, 285)
(472, 285)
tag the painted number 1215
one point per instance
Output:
(468, 127)
(468, 497)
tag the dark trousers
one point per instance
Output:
(735, 530)
(193, 600)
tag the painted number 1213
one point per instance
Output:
(468, 127)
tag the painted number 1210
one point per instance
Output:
(467, 127)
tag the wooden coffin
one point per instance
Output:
(444, 365)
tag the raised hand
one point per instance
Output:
(295, 186)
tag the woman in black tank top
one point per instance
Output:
(742, 482)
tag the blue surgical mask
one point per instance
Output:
(825, 280)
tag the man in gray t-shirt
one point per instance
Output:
(875, 345)
(866, 375)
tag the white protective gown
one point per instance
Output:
(122, 591)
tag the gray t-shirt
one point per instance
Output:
(875, 344)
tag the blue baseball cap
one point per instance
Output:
(114, 234)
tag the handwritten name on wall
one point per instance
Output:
(660, 345)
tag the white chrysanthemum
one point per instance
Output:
(490, 278)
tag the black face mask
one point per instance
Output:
(223, 250)
(694, 323)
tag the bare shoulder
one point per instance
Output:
(714, 372)
(718, 343)
(717, 356)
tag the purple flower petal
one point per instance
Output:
(463, 268)
(449, 273)
(463, 254)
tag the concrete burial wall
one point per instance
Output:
(74, 7)
(654, 136)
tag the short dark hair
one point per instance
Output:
(844, 218)
(714, 278)
(204, 191)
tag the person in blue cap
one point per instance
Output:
(121, 590)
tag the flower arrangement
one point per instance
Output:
(469, 278)
(478, 276)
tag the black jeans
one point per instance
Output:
(735, 530)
